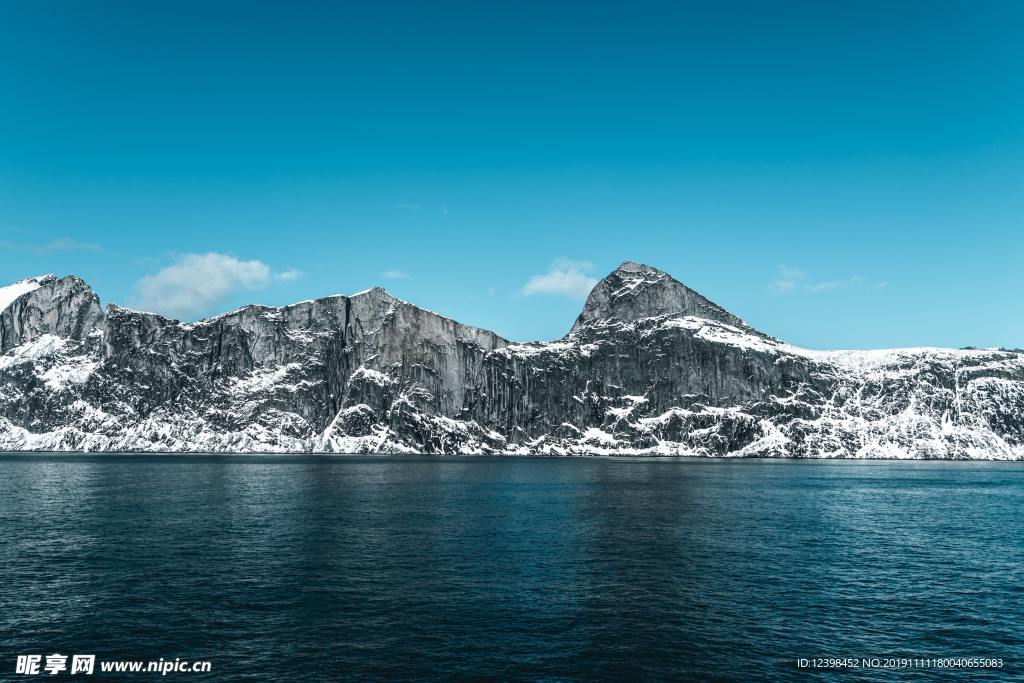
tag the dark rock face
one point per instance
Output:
(635, 291)
(66, 308)
(649, 367)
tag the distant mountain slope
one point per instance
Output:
(650, 367)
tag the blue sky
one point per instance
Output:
(838, 174)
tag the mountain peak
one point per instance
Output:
(11, 292)
(635, 290)
(376, 291)
(635, 267)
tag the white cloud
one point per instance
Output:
(564, 278)
(793, 279)
(823, 286)
(396, 274)
(67, 244)
(62, 244)
(290, 275)
(852, 282)
(196, 283)
(789, 279)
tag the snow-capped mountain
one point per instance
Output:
(650, 367)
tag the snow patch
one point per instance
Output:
(40, 347)
(11, 292)
(599, 436)
(263, 379)
(375, 376)
(74, 371)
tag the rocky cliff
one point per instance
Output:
(650, 367)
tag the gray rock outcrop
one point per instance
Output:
(649, 367)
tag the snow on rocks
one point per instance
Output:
(650, 368)
(11, 292)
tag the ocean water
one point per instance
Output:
(321, 568)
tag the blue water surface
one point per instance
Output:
(321, 568)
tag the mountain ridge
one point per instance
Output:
(714, 312)
(649, 367)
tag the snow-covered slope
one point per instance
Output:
(11, 292)
(650, 367)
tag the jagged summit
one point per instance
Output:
(11, 292)
(635, 290)
(64, 306)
